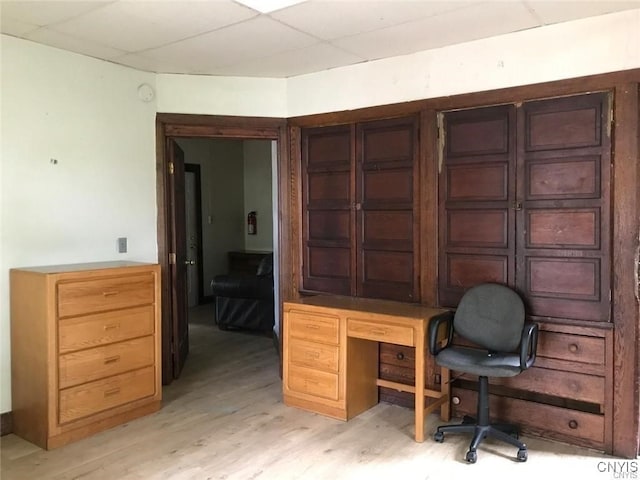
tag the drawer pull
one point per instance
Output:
(114, 359)
(312, 326)
(378, 331)
(573, 424)
(112, 392)
(112, 326)
(314, 355)
(573, 347)
(400, 356)
(110, 293)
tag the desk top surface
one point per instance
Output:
(370, 305)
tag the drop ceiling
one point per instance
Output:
(227, 37)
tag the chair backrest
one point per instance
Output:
(491, 316)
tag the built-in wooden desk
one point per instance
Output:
(331, 355)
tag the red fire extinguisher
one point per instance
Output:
(252, 223)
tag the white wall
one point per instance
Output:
(594, 45)
(257, 193)
(252, 97)
(85, 114)
(222, 190)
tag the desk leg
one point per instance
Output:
(419, 392)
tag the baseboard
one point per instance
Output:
(6, 423)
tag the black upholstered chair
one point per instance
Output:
(492, 317)
(245, 301)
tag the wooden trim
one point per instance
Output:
(556, 88)
(626, 226)
(295, 212)
(6, 423)
(428, 210)
(205, 126)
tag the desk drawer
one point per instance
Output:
(313, 382)
(314, 327)
(575, 348)
(90, 398)
(103, 328)
(314, 355)
(95, 363)
(397, 334)
(99, 295)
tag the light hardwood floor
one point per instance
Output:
(224, 419)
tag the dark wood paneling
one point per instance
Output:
(569, 228)
(426, 206)
(564, 177)
(574, 348)
(329, 225)
(387, 232)
(477, 182)
(327, 199)
(481, 136)
(465, 271)
(477, 190)
(563, 241)
(477, 228)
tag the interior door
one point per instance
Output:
(178, 264)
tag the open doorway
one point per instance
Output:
(229, 212)
(172, 242)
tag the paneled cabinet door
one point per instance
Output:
(524, 201)
(360, 226)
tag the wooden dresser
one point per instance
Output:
(85, 348)
(331, 355)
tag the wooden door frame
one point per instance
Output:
(170, 125)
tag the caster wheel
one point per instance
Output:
(522, 455)
(438, 437)
(471, 456)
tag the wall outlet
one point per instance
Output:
(122, 245)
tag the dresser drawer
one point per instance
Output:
(88, 296)
(575, 348)
(88, 399)
(397, 334)
(94, 330)
(313, 382)
(314, 355)
(95, 363)
(314, 327)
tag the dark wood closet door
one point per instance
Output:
(386, 222)
(477, 194)
(328, 217)
(563, 227)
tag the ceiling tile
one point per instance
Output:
(256, 38)
(314, 58)
(147, 64)
(334, 19)
(462, 25)
(139, 25)
(14, 27)
(72, 44)
(43, 13)
(563, 10)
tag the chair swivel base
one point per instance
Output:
(503, 432)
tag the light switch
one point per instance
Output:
(122, 245)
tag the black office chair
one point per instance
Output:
(492, 317)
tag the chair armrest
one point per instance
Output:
(528, 345)
(436, 322)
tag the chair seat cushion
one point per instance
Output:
(479, 362)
